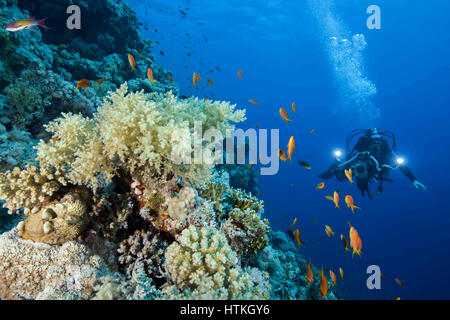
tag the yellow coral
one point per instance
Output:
(201, 265)
(30, 188)
(134, 132)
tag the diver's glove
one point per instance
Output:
(419, 186)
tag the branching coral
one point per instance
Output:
(135, 132)
(31, 188)
(201, 265)
(144, 249)
(214, 192)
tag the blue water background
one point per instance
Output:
(281, 49)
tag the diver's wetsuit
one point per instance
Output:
(364, 168)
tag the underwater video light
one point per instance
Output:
(400, 160)
(337, 153)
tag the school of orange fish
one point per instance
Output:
(355, 241)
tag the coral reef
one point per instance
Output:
(134, 132)
(202, 265)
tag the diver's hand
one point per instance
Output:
(419, 186)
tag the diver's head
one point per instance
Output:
(373, 133)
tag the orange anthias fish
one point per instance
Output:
(323, 285)
(170, 79)
(253, 101)
(311, 132)
(132, 62)
(350, 203)
(24, 24)
(355, 241)
(83, 83)
(341, 272)
(329, 231)
(294, 107)
(284, 115)
(282, 155)
(344, 243)
(291, 147)
(401, 283)
(309, 273)
(333, 277)
(320, 186)
(239, 74)
(210, 82)
(100, 81)
(334, 198)
(150, 75)
(195, 78)
(349, 174)
(293, 223)
(299, 242)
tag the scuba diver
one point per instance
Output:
(370, 159)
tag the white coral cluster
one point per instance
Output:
(28, 189)
(179, 206)
(201, 265)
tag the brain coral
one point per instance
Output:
(201, 265)
(135, 133)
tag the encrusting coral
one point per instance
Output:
(202, 265)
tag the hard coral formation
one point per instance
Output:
(202, 265)
(31, 188)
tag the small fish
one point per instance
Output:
(24, 24)
(333, 277)
(350, 203)
(349, 174)
(294, 107)
(285, 217)
(320, 186)
(282, 155)
(284, 115)
(323, 284)
(401, 283)
(100, 81)
(253, 101)
(132, 62)
(83, 83)
(239, 74)
(54, 139)
(170, 79)
(341, 272)
(291, 147)
(195, 78)
(329, 231)
(355, 241)
(293, 223)
(309, 273)
(382, 276)
(150, 75)
(314, 221)
(344, 243)
(305, 165)
(257, 125)
(311, 132)
(210, 82)
(296, 234)
(334, 198)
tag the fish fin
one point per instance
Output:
(41, 23)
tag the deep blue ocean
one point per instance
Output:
(284, 51)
